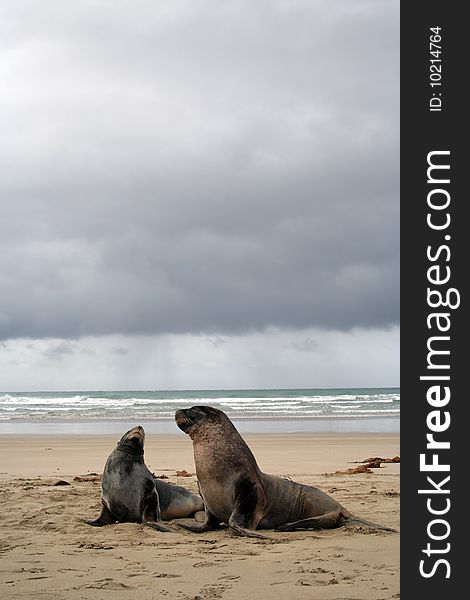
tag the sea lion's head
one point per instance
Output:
(132, 442)
(193, 420)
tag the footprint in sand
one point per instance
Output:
(94, 546)
(32, 570)
(211, 592)
(331, 581)
(105, 584)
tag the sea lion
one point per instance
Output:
(237, 493)
(131, 494)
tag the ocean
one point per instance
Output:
(253, 411)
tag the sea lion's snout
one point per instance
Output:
(136, 433)
(133, 440)
(191, 419)
(183, 420)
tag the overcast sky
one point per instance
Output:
(199, 194)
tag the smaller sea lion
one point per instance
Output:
(236, 492)
(131, 494)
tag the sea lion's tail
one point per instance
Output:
(353, 520)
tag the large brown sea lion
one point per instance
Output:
(130, 493)
(237, 493)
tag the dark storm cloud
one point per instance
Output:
(216, 340)
(198, 167)
(120, 350)
(305, 345)
(57, 351)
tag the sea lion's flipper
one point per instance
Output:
(158, 525)
(210, 522)
(197, 527)
(326, 521)
(151, 514)
(353, 520)
(245, 516)
(239, 530)
(105, 518)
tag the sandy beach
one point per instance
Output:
(47, 552)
